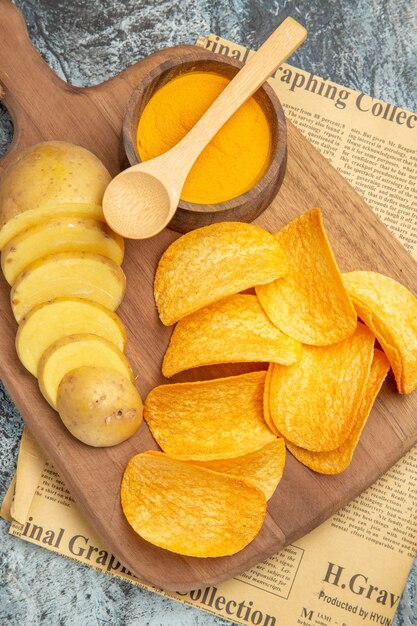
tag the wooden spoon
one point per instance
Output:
(142, 199)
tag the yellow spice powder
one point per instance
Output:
(236, 158)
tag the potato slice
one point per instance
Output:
(99, 406)
(75, 351)
(66, 234)
(33, 217)
(390, 310)
(209, 419)
(210, 263)
(188, 509)
(58, 318)
(48, 173)
(263, 467)
(234, 330)
(80, 274)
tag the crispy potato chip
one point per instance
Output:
(233, 330)
(267, 408)
(263, 467)
(213, 262)
(390, 310)
(310, 303)
(314, 402)
(190, 510)
(336, 461)
(213, 419)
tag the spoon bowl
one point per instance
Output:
(150, 196)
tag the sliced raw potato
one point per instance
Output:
(310, 303)
(390, 310)
(263, 467)
(99, 406)
(72, 274)
(336, 461)
(234, 330)
(213, 419)
(190, 510)
(210, 263)
(49, 173)
(70, 353)
(314, 402)
(66, 234)
(33, 217)
(58, 318)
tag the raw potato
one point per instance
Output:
(75, 351)
(49, 173)
(79, 274)
(50, 321)
(33, 217)
(63, 262)
(66, 234)
(99, 406)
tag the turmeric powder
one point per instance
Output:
(236, 158)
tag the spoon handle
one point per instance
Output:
(276, 49)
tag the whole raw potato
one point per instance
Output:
(53, 172)
(99, 406)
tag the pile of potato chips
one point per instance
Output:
(224, 440)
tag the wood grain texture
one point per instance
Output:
(44, 107)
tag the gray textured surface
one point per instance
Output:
(369, 45)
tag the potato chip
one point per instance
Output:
(310, 303)
(336, 461)
(190, 510)
(262, 467)
(267, 408)
(213, 419)
(314, 402)
(233, 330)
(213, 262)
(390, 310)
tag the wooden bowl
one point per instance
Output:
(243, 208)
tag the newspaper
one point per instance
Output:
(352, 569)
(371, 143)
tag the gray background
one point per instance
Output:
(366, 45)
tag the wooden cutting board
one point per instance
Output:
(44, 107)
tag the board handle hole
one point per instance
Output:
(6, 129)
